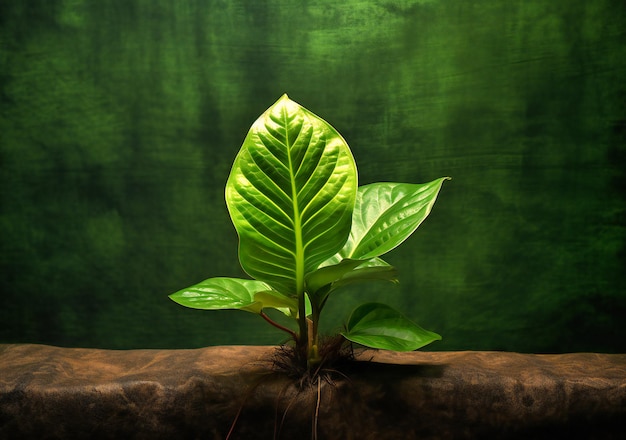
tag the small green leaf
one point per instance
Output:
(375, 269)
(377, 325)
(329, 274)
(322, 282)
(224, 293)
(386, 214)
(275, 300)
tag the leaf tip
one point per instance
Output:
(284, 98)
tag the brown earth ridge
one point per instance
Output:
(50, 392)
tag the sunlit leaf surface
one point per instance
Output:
(290, 195)
(386, 214)
(222, 293)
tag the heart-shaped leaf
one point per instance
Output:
(290, 195)
(386, 214)
(377, 325)
(233, 293)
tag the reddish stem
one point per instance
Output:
(278, 326)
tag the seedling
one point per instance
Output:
(306, 230)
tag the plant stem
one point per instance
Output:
(278, 326)
(302, 340)
(313, 357)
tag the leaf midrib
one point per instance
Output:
(297, 221)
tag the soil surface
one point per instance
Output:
(63, 393)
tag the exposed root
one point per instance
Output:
(335, 354)
(317, 409)
(249, 392)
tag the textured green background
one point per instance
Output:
(120, 119)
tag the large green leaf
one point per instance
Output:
(386, 214)
(233, 293)
(379, 326)
(290, 194)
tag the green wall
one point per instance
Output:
(120, 119)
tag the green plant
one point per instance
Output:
(306, 229)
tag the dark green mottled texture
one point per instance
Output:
(120, 119)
